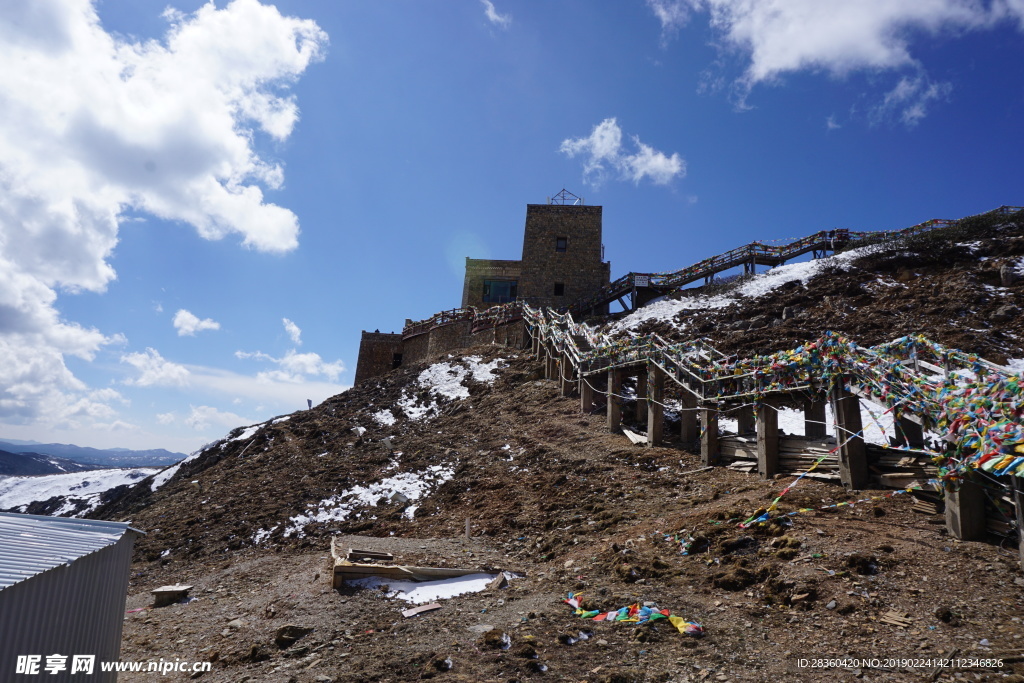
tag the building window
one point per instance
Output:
(561, 243)
(396, 360)
(559, 289)
(499, 291)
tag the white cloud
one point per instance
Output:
(501, 20)
(673, 15)
(95, 125)
(154, 370)
(294, 367)
(831, 123)
(165, 418)
(838, 37)
(909, 100)
(786, 36)
(276, 391)
(293, 331)
(603, 149)
(188, 324)
(201, 418)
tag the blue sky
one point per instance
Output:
(203, 204)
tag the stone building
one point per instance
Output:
(562, 261)
(378, 353)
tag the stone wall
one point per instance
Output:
(415, 348)
(448, 338)
(547, 261)
(478, 270)
(378, 353)
(510, 334)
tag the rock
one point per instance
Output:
(790, 312)
(258, 653)
(236, 623)
(1008, 274)
(500, 581)
(601, 643)
(323, 679)
(288, 634)
(481, 628)
(297, 651)
(831, 604)
(1004, 313)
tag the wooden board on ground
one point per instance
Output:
(349, 571)
(420, 610)
(634, 437)
(896, 619)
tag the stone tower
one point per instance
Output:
(561, 259)
(562, 254)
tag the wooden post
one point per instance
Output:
(551, 366)
(1017, 484)
(709, 453)
(586, 395)
(853, 461)
(909, 434)
(536, 344)
(965, 511)
(689, 431)
(767, 440)
(655, 409)
(814, 418)
(641, 394)
(565, 369)
(745, 420)
(614, 402)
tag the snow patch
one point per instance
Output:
(384, 417)
(263, 534)
(421, 592)
(447, 381)
(18, 492)
(246, 433)
(412, 485)
(164, 476)
(755, 286)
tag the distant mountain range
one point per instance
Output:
(28, 464)
(90, 458)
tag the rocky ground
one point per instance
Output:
(549, 493)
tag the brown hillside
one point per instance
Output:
(551, 494)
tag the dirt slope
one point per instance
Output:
(551, 494)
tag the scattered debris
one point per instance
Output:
(288, 634)
(896, 619)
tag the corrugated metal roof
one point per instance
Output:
(31, 544)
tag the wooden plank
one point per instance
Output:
(894, 618)
(634, 437)
(420, 610)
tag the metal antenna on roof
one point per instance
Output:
(566, 197)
